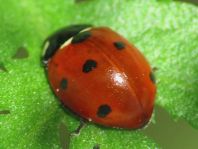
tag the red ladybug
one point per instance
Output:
(100, 76)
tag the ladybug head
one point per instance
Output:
(54, 42)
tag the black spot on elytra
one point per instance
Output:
(97, 146)
(152, 77)
(59, 37)
(81, 37)
(89, 65)
(103, 110)
(63, 84)
(119, 45)
(21, 53)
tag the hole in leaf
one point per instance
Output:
(5, 112)
(2, 67)
(21, 53)
(64, 136)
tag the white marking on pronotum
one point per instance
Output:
(86, 29)
(66, 43)
(46, 45)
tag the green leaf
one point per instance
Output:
(91, 136)
(166, 32)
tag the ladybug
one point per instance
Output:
(100, 76)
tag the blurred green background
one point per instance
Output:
(165, 31)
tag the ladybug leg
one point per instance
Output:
(81, 125)
(152, 74)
